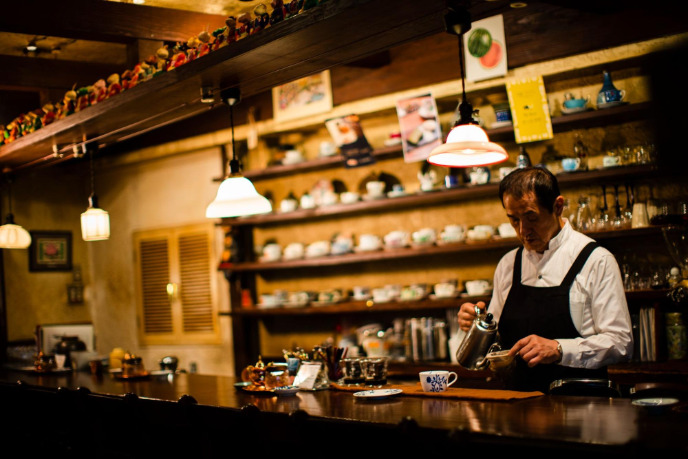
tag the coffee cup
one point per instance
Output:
(396, 239)
(375, 188)
(300, 298)
(453, 233)
(573, 103)
(570, 164)
(288, 205)
(272, 252)
(477, 287)
(318, 249)
(268, 300)
(292, 157)
(424, 236)
(444, 289)
(504, 171)
(506, 230)
(611, 161)
(349, 197)
(329, 296)
(294, 251)
(381, 295)
(329, 198)
(437, 380)
(480, 232)
(369, 242)
(307, 201)
(361, 292)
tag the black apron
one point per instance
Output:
(542, 311)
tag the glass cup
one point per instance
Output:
(353, 370)
(375, 370)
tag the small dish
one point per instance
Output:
(570, 111)
(655, 403)
(286, 390)
(432, 296)
(396, 194)
(377, 394)
(616, 103)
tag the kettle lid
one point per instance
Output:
(487, 321)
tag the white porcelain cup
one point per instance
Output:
(437, 380)
(381, 295)
(375, 188)
(293, 156)
(329, 198)
(294, 250)
(506, 230)
(478, 177)
(361, 292)
(288, 205)
(394, 290)
(272, 252)
(369, 241)
(611, 161)
(307, 201)
(268, 300)
(396, 239)
(327, 148)
(504, 171)
(424, 236)
(640, 218)
(349, 197)
(444, 290)
(299, 298)
(318, 249)
(477, 287)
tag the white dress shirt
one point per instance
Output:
(597, 299)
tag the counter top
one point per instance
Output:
(597, 425)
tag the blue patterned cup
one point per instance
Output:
(437, 380)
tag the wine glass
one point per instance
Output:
(618, 220)
(628, 210)
(602, 221)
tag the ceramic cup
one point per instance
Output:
(294, 251)
(437, 380)
(375, 188)
(292, 157)
(288, 205)
(349, 197)
(327, 148)
(506, 230)
(361, 292)
(318, 249)
(307, 201)
(570, 164)
(369, 242)
(453, 233)
(269, 301)
(479, 176)
(611, 161)
(576, 103)
(480, 232)
(381, 295)
(396, 239)
(272, 252)
(300, 298)
(504, 171)
(444, 289)
(477, 287)
(424, 236)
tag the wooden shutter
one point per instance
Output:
(176, 283)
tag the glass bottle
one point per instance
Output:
(674, 277)
(523, 159)
(580, 150)
(584, 215)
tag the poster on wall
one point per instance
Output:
(529, 109)
(348, 135)
(306, 96)
(419, 125)
(485, 49)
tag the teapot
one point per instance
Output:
(254, 373)
(478, 342)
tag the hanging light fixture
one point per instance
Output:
(95, 222)
(467, 144)
(13, 236)
(236, 196)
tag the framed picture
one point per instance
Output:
(420, 126)
(303, 97)
(50, 251)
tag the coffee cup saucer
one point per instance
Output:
(369, 197)
(615, 103)
(366, 249)
(433, 296)
(570, 111)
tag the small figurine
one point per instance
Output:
(293, 8)
(231, 32)
(82, 99)
(278, 12)
(114, 86)
(244, 28)
(162, 54)
(262, 19)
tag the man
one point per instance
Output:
(558, 300)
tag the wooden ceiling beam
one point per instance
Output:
(104, 21)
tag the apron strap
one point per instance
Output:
(578, 264)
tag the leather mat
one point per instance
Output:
(451, 392)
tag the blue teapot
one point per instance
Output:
(609, 92)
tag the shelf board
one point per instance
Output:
(438, 197)
(303, 45)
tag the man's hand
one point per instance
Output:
(467, 314)
(535, 349)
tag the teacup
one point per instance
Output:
(437, 380)
(504, 171)
(349, 197)
(318, 249)
(300, 298)
(327, 148)
(342, 243)
(453, 233)
(272, 252)
(292, 157)
(444, 290)
(329, 198)
(288, 205)
(329, 296)
(576, 103)
(477, 287)
(480, 232)
(411, 292)
(369, 242)
(424, 236)
(375, 188)
(479, 175)
(394, 290)
(381, 295)
(396, 239)
(570, 164)
(294, 251)
(506, 230)
(611, 161)
(361, 292)
(307, 201)
(269, 301)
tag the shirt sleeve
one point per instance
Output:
(502, 284)
(607, 335)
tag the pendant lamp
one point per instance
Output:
(236, 196)
(467, 144)
(13, 236)
(95, 222)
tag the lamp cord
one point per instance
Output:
(463, 69)
(231, 122)
(90, 162)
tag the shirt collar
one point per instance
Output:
(554, 243)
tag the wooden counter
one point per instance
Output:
(97, 416)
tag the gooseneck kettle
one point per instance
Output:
(478, 342)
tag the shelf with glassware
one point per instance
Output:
(618, 114)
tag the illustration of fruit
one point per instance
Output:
(479, 42)
(493, 56)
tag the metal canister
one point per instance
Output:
(677, 341)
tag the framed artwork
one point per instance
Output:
(50, 251)
(485, 49)
(420, 126)
(306, 96)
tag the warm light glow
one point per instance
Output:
(237, 197)
(14, 237)
(467, 146)
(95, 225)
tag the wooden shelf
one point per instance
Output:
(303, 45)
(439, 197)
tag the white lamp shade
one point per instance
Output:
(467, 146)
(14, 237)
(95, 224)
(237, 197)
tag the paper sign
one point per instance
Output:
(347, 133)
(529, 109)
(420, 127)
(307, 375)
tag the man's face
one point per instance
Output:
(535, 226)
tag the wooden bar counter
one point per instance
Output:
(83, 415)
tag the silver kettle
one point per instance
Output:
(478, 342)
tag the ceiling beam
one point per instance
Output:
(104, 21)
(51, 73)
